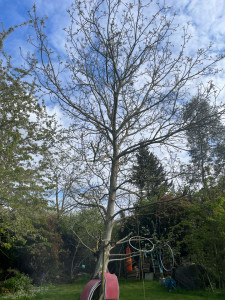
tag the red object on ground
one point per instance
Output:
(111, 288)
(128, 260)
(89, 289)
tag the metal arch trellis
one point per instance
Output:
(164, 252)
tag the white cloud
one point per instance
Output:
(207, 17)
(59, 115)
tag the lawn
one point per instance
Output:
(129, 290)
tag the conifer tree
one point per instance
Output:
(204, 140)
(149, 175)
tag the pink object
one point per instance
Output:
(111, 288)
(89, 289)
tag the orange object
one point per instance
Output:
(128, 260)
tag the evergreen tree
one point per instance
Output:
(149, 175)
(205, 140)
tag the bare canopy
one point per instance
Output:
(125, 76)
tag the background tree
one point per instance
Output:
(151, 210)
(124, 80)
(66, 172)
(205, 141)
(27, 134)
(149, 175)
(201, 232)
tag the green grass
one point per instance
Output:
(129, 290)
(134, 290)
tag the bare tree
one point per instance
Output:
(121, 79)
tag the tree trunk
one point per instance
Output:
(104, 251)
(105, 245)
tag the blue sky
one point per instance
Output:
(206, 18)
(206, 24)
(14, 12)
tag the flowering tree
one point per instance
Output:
(27, 134)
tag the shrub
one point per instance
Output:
(19, 283)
